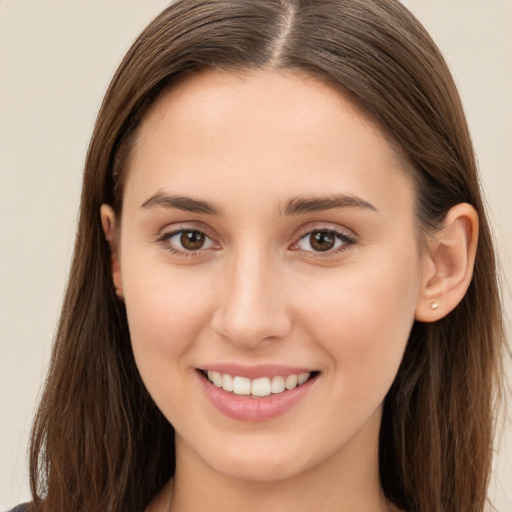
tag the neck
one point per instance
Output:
(347, 481)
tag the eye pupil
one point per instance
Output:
(322, 240)
(192, 240)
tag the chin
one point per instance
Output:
(264, 469)
(254, 459)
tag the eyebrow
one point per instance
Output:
(299, 205)
(185, 203)
(294, 206)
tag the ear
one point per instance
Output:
(108, 221)
(448, 264)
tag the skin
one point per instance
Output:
(258, 292)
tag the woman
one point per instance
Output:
(282, 253)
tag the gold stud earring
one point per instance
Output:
(434, 305)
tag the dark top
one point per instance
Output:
(19, 508)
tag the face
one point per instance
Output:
(267, 242)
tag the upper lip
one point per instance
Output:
(256, 371)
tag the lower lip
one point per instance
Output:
(244, 408)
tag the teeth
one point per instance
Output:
(216, 378)
(303, 377)
(277, 385)
(263, 386)
(227, 382)
(290, 382)
(241, 386)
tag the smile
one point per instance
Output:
(253, 396)
(260, 387)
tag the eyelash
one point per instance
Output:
(166, 237)
(340, 236)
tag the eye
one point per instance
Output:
(186, 241)
(324, 240)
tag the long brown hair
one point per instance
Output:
(98, 441)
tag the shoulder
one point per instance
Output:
(19, 508)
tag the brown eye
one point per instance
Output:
(322, 240)
(192, 240)
(187, 242)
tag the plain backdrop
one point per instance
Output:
(56, 60)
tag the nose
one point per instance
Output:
(252, 307)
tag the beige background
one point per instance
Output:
(56, 59)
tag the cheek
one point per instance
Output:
(166, 311)
(362, 318)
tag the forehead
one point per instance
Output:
(211, 99)
(224, 133)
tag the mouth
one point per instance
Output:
(259, 387)
(257, 393)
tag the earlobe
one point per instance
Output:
(448, 265)
(108, 222)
